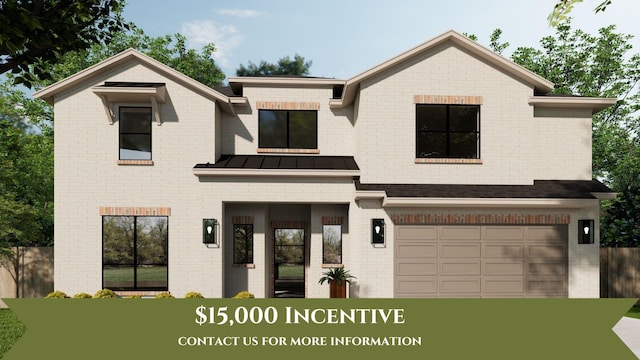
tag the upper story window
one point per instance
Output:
(447, 131)
(288, 129)
(135, 133)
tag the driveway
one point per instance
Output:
(628, 329)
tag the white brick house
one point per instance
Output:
(480, 181)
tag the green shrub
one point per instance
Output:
(164, 295)
(105, 294)
(56, 295)
(193, 295)
(133, 297)
(82, 295)
(244, 295)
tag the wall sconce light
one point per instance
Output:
(209, 230)
(377, 231)
(585, 231)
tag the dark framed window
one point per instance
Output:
(243, 243)
(447, 131)
(292, 129)
(134, 252)
(135, 133)
(332, 244)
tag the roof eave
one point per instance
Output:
(49, 92)
(391, 202)
(313, 173)
(539, 84)
(596, 104)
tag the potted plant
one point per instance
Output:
(338, 278)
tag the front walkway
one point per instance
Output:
(628, 329)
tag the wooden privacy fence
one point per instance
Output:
(620, 272)
(35, 273)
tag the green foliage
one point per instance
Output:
(133, 297)
(193, 295)
(285, 66)
(562, 9)
(34, 34)
(601, 65)
(56, 295)
(105, 294)
(244, 294)
(337, 274)
(170, 50)
(82, 295)
(164, 295)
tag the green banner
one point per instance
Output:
(314, 328)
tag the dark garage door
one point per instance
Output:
(491, 261)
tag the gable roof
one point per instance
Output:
(540, 84)
(126, 56)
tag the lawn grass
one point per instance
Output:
(634, 312)
(11, 329)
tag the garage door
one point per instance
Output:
(481, 261)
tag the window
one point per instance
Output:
(332, 244)
(134, 252)
(448, 131)
(135, 133)
(243, 244)
(292, 129)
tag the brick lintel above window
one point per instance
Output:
(287, 105)
(448, 99)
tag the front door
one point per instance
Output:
(289, 263)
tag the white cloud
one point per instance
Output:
(225, 37)
(241, 13)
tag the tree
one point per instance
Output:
(170, 50)
(34, 33)
(601, 65)
(285, 66)
(562, 9)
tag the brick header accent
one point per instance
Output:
(135, 211)
(135, 162)
(332, 220)
(287, 105)
(480, 219)
(290, 224)
(447, 99)
(242, 219)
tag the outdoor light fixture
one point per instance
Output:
(585, 231)
(209, 229)
(377, 231)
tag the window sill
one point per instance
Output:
(331, 266)
(244, 266)
(136, 162)
(287, 151)
(447, 161)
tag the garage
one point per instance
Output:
(489, 261)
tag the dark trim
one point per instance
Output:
(541, 189)
(120, 132)
(447, 131)
(288, 136)
(135, 256)
(274, 162)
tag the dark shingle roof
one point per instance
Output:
(271, 162)
(546, 189)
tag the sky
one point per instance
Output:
(343, 38)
